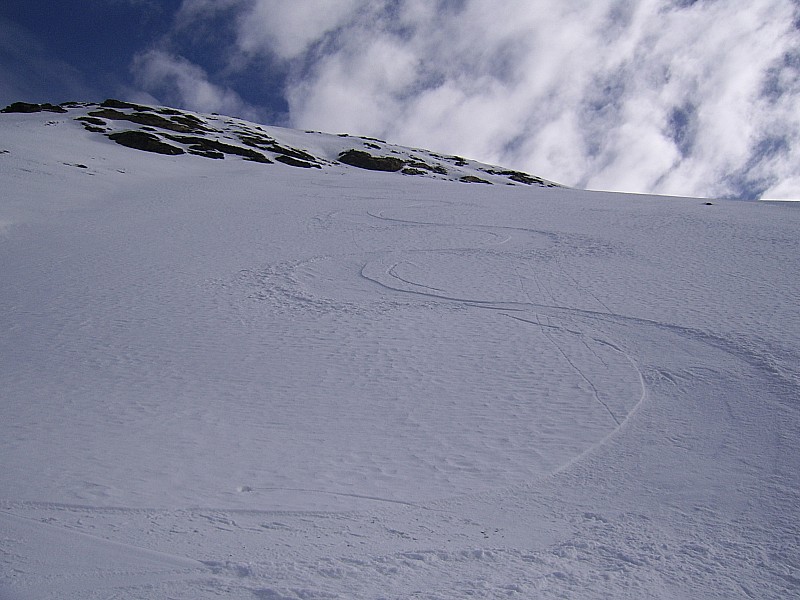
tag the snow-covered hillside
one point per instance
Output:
(171, 132)
(251, 362)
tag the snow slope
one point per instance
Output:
(249, 379)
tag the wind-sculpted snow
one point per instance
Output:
(235, 378)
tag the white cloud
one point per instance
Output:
(640, 95)
(289, 28)
(177, 81)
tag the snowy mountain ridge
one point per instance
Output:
(172, 132)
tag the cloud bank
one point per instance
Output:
(177, 81)
(686, 97)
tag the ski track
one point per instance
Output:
(567, 528)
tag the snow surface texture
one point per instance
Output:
(250, 380)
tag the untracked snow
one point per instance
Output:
(243, 379)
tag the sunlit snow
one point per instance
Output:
(223, 378)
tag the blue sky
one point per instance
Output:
(75, 50)
(685, 97)
(52, 52)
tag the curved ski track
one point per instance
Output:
(452, 549)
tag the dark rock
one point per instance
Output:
(256, 141)
(206, 153)
(289, 160)
(473, 179)
(52, 108)
(198, 141)
(519, 177)
(256, 157)
(412, 171)
(25, 107)
(150, 119)
(293, 152)
(144, 141)
(364, 160)
(419, 164)
(193, 123)
(525, 178)
(112, 103)
(201, 144)
(92, 120)
(364, 137)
